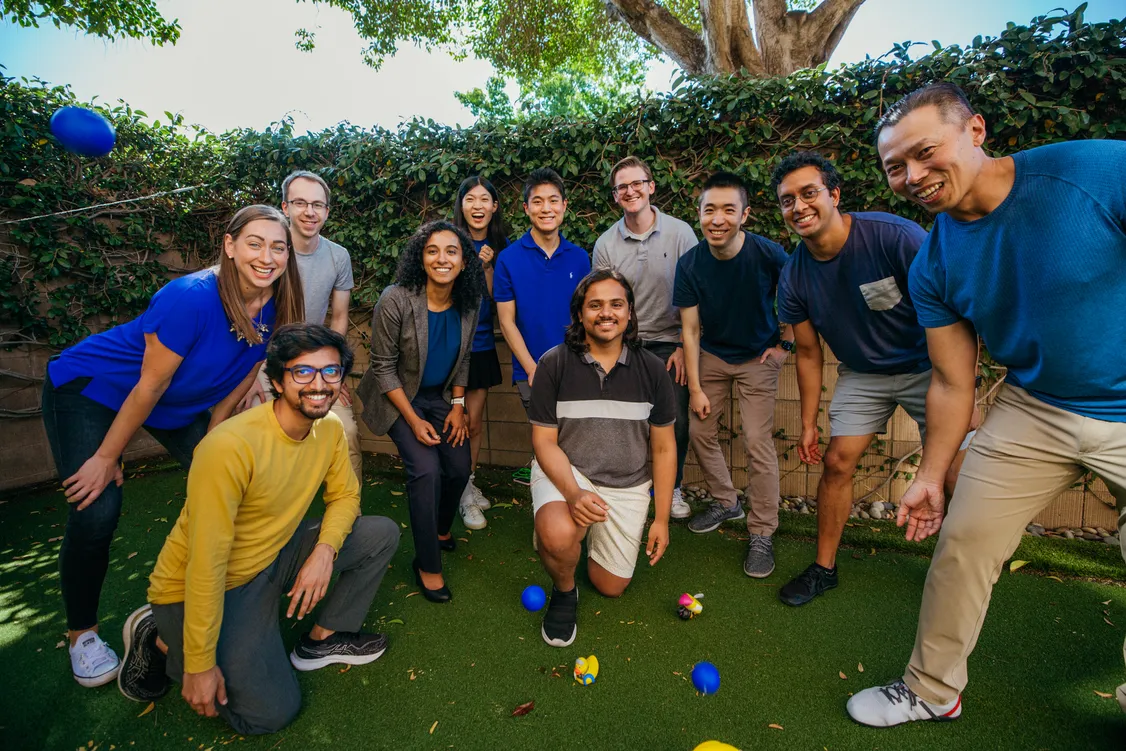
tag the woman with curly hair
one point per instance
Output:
(414, 391)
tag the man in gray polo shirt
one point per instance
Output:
(326, 277)
(644, 246)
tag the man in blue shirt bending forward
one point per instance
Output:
(1028, 250)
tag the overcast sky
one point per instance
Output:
(236, 66)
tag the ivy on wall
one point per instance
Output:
(61, 278)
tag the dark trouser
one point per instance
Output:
(664, 351)
(436, 477)
(76, 426)
(262, 691)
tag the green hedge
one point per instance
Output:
(1054, 79)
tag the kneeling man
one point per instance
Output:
(242, 541)
(601, 406)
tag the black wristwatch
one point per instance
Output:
(786, 345)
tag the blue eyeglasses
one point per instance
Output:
(303, 374)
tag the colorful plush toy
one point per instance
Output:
(586, 670)
(690, 606)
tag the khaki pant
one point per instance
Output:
(351, 431)
(1024, 456)
(756, 385)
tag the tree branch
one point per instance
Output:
(828, 23)
(658, 26)
(727, 37)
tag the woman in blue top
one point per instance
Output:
(421, 335)
(196, 348)
(477, 211)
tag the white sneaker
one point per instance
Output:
(92, 661)
(895, 704)
(470, 514)
(479, 498)
(680, 507)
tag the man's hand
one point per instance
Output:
(921, 508)
(425, 432)
(675, 363)
(86, 485)
(345, 397)
(698, 402)
(658, 541)
(256, 395)
(200, 690)
(312, 581)
(774, 354)
(809, 448)
(456, 426)
(588, 508)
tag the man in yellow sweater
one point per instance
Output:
(242, 541)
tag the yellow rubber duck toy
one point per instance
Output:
(586, 670)
(714, 746)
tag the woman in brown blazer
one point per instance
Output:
(414, 391)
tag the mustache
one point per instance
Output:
(311, 392)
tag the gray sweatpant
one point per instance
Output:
(262, 691)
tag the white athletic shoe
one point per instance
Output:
(478, 497)
(680, 507)
(895, 704)
(1121, 694)
(92, 661)
(471, 514)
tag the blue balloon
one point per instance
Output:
(533, 597)
(83, 131)
(705, 677)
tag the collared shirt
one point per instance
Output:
(541, 286)
(648, 262)
(603, 418)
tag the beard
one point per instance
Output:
(315, 411)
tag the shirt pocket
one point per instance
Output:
(881, 295)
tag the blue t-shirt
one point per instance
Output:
(858, 300)
(542, 289)
(735, 297)
(483, 338)
(1042, 277)
(443, 340)
(187, 317)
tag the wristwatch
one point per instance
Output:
(459, 400)
(786, 345)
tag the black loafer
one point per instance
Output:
(441, 594)
(449, 545)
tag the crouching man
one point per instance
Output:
(601, 406)
(242, 541)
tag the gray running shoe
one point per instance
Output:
(714, 515)
(760, 557)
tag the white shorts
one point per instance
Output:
(614, 543)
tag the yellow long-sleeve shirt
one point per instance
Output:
(249, 487)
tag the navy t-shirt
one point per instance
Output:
(735, 297)
(483, 338)
(858, 300)
(1042, 277)
(443, 342)
(187, 317)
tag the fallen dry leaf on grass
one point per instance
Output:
(130, 556)
(1108, 622)
(433, 726)
(1013, 566)
(524, 709)
(396, 492)
(860, 667)
(345, 669)
(61, 644)
(1105, 696)
(1056, 578)
(776, 726)
(842, 675)
(149, 708)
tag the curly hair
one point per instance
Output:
(796, 160)
(575, 338)
(470, 283)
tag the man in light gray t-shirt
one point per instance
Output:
(324, 273)
(644, 247)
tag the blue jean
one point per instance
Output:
(436, 477)
(76, 426)
(664, 351)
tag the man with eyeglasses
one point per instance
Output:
(846, 282)
(326, 279)
(644, 247)
(242, 542)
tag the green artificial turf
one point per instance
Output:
(1047, 647)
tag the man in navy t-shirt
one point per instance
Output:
(847, 282)
(534, 280)
(725, 289)
(1029, 252)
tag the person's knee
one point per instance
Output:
(606, 583)
(375, 533)
(839, 468)
(555, 537)
(93, 526)
(280, 712)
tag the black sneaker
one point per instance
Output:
(714, 515)
(343, 647)
(814, 581)
(560, 622)
(142, 676)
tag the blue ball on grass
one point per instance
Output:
(533, 597)
(705, 677)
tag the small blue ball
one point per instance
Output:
(705, 677)
(533, 597)
(83, 131)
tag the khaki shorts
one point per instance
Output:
(614, 543)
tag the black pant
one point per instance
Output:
(436, 477)
(664, 351)
(76, 426)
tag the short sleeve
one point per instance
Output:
(791, 305)
(778, 255)
(502, 280)
(545, 391)
(684, 289)
(686, 240)
(924, 282)
(344, 279)
(177, 314)
(664, 399)
(601, 253)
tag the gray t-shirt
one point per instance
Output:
(648, 262)
(324, 271)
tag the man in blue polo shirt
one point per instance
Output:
(726, 286)
(1027, 250)
(535, 277)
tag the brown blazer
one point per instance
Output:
(399, 342)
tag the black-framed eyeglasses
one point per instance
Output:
(635, 186)
(807, 196)
(301, 204)
(303, 374)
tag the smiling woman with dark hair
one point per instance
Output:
(414, 392)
